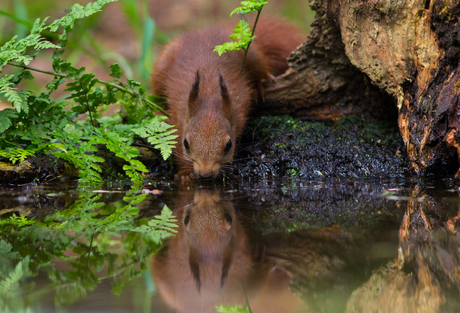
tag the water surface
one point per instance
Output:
(273, 246)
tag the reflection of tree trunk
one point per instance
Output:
(324, 263)
(427, 268)
(409, 49)
(314, 254)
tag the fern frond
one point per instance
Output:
(249, 6)
(241, 33)
(5, 250)
(17, 154)
(159, 228)
(6, 115)
(10, 284)
(16, 98)
(159, 134)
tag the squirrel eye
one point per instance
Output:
(186, 144)
(228, 146)
(229, 219)
(186, 220)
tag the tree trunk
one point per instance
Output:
(409, 49)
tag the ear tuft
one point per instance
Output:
(223, 88)
(226, 101)
(192, 99)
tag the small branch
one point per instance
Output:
(252, 34)
(38, 70)
(132, 93)
(121, 88)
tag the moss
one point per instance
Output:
(283, 146)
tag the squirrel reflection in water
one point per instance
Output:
(210, 259)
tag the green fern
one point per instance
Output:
(249, 6)
(8, 92)
(31, 125)
(158, 133)
(242, 32)
(6, 115)
(16, 154)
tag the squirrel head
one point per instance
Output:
(209, 138)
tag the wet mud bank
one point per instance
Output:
(278, 147)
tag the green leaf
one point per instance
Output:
(160, 227)
(17, 154)
(5, 250)
(249, 6)
(6, 115)
(51, 126)
(115, 71)
(159, 134)
(241, 33)
(16, 98)
(147, 39)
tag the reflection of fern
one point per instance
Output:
(113, 243)
(232, 309)
(31, 125)
(5, 250)
(9, 283)
(159, 228)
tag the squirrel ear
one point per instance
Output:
(195, 268)
(227, 263)
(226, 101)
(192, 98)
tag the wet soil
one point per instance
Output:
(275, 147)
(352, 148)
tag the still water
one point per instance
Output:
(271, 246)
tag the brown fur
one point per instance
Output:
(195, 81)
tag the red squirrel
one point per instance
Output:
(209, 97)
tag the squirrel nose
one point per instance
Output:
(206, 174)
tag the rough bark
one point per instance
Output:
(322, 83)
(409, 49)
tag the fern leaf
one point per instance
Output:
(159, 134)
(249, 6)
(18, 154)
(5, 250)
(11, 283)
(6, 115)
(160, 227)
(8, 92)
(241, 33)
